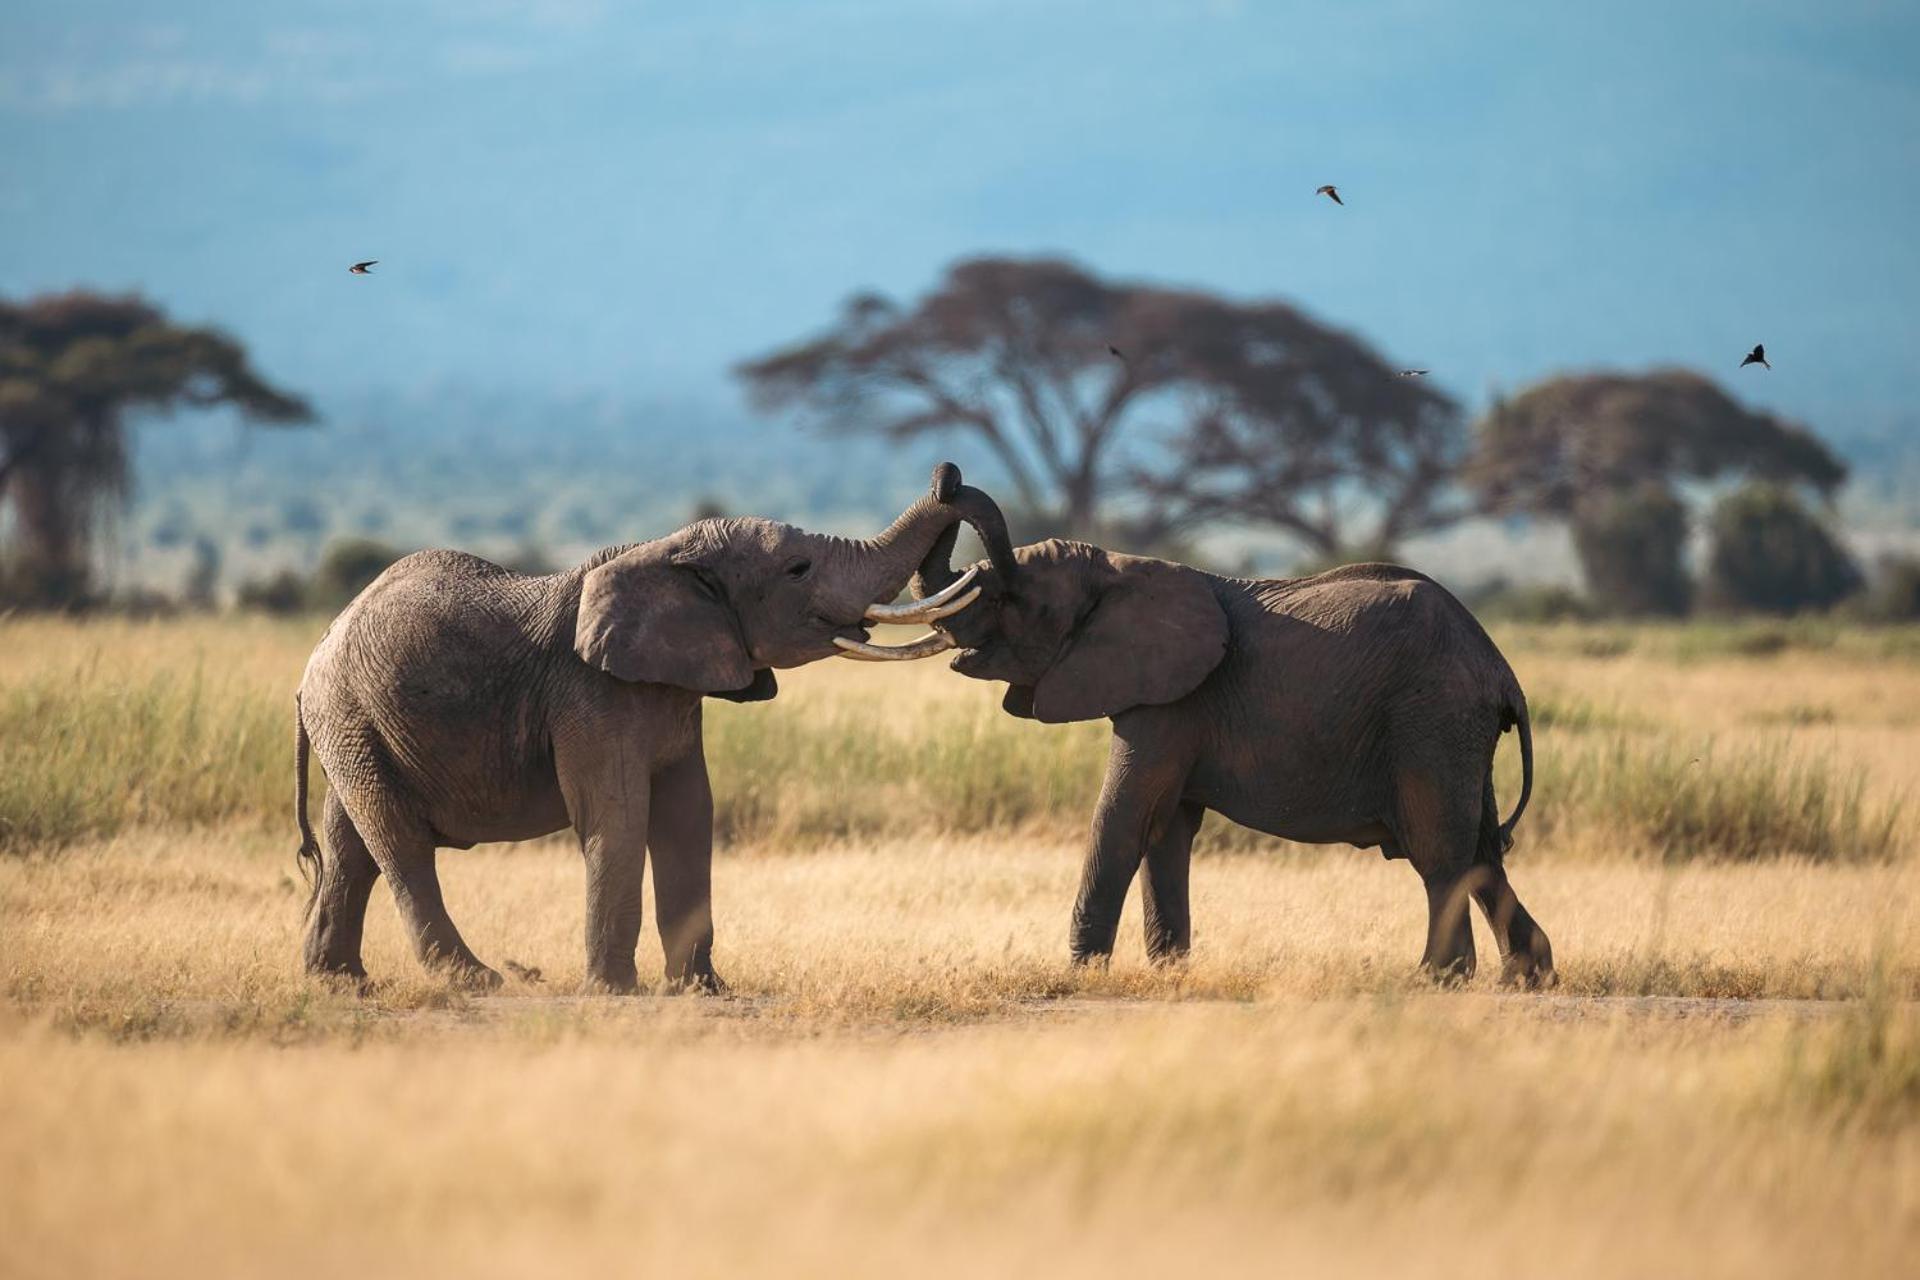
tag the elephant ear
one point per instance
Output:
(644, 617)
(1154, 633)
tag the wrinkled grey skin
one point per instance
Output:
(1359, 706)
(455, 702)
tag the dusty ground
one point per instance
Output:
(910, 1079)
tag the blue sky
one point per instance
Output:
(576, 195)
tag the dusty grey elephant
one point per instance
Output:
(455, 702)
(1359, 706)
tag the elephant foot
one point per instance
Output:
(1166, 955)
(476, 978)
(613, 984)
(1524, 975)
(1450, 976)
(704, 983)
(323, 967)
(1091, 959)
(347, 980)
(1529, 970)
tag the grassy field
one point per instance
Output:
(909, 1079)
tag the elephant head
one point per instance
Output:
(1077, 632)
(718, 605)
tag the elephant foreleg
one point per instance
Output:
(615, 854)
(1138, 796)
(609, 813)
(680, 839)
(1169, 923)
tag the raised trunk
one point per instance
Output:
(875, 570)
(980, 511)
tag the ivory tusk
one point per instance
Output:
(921, 614)
(928, 608)
(925, 647)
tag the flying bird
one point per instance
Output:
(360, 268)
(1330, 193)
(1118, 354)
(1757, 356)
(1415, 373)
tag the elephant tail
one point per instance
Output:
(308, 854)
(1514, 716)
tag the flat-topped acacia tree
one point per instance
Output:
(73, 367)
(1189, 408)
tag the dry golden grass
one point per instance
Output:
(909, 1079)
(112, 726)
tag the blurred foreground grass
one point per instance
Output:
(911, 1080)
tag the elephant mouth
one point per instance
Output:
(928, 610)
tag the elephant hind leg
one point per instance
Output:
(404, 851)
(339, 913)
(1526, 957)
(1439, 833)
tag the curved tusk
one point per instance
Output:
(915, 610)
(925, 647)
(928, 608)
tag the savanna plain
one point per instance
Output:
(908, 1078)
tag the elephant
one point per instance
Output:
(1358, 706)
(454, 701)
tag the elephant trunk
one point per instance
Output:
(936, 574)
(876, 569)
(881, 566)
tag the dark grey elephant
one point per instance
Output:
(455, 702)
(1360, 706)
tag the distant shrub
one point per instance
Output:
(1632, 548)
(1542, 602)
(284, 592)
(1894, 592)
(1771, 555)
(346, 569)
(530, 559)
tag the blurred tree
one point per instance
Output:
(203, 577)
(1771, 555)
(1311, 434)
(1051, 367)
(1632, 544)
(530, 558)
(1606, 452)
(346, 569)
(1895, 596)
(72, 367)
(284, 592)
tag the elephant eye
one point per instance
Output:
(799, 569)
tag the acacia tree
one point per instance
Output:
(1304, 429)
(73, 366)
(1607, 452)
(1058, 372)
